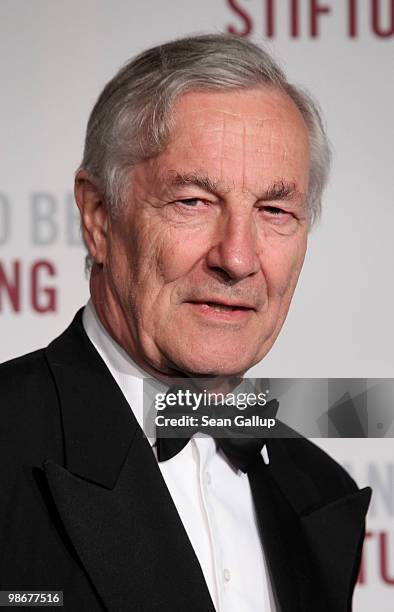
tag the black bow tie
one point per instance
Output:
(241, 445)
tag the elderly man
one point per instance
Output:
(202, 173)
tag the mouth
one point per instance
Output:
(222, 310)
(219, 306)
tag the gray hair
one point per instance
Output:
(131, 120)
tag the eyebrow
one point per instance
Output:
(278, 190)
(198, 180)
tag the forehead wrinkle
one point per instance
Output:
(243, 154)
(233, 132)
(257, 119)
(224, 128)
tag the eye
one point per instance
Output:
(273, 210)
(190, 202)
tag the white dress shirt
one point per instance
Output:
(213, 499)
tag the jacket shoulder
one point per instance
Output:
(29, 408)
(20, 366)
(24, 378)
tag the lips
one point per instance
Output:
(213, 312)
(222, 306)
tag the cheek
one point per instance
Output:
(176, 250)
(121, 273)
(177, 256)
(281, 268)
(149, 262)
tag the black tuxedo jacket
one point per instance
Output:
(84, 508)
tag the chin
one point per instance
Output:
(211, 354)
(208, 365)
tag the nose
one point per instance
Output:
(234, 251)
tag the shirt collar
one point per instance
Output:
(127, 374)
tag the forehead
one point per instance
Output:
(235, 136)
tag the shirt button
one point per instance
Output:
(227, 575)
(208, 478)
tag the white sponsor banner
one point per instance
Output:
(55, 57)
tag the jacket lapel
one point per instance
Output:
(335, 535)
(110, 494)
(313, 548)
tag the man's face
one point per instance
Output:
(206, 253)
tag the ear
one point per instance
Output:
(94, 216)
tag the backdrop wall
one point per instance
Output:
(54, 60)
